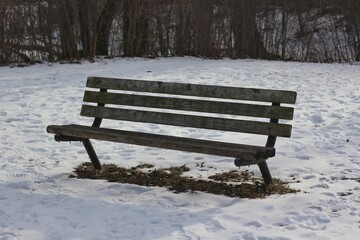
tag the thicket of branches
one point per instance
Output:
(51, 30)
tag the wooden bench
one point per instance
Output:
(193, 100)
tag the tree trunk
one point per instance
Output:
(103, 27)
(203, 29)
(247, 40)
(2, 36)
(136, 28)
(87, 18)
(67, 38)
(159, 26)
(184, 29)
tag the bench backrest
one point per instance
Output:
(180, 96)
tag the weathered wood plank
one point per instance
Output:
(251, 94)
(239, 109)
(162, 141)
(254, 127)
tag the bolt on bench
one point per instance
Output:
(180, 96)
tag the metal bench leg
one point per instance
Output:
(92, 154)
(264, 169)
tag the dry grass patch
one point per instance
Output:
(242, 184)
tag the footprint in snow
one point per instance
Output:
(303, 157)
(316, 119)
(255, 224)
(320, 185)
(7, 236)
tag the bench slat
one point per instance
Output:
(240, 109)
(265, 128)
(250, 94)
(249, 152)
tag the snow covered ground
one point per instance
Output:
(322, 159)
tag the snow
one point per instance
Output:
(321, 159)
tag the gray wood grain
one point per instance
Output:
(169, 142)
(264, 128)
(251, 94)
(240, 109)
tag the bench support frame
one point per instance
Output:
(87, 144)
(264, 169)
(92, 154)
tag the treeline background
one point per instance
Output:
(301, 30)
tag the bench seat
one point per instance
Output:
(245, 152)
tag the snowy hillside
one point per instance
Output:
(321, 159)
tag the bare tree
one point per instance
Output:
(247, 39)
(87, 12)
(67, 32)
(103, 27)
(350, 9)
(3, 53)
(136, 27)
(318, 30)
